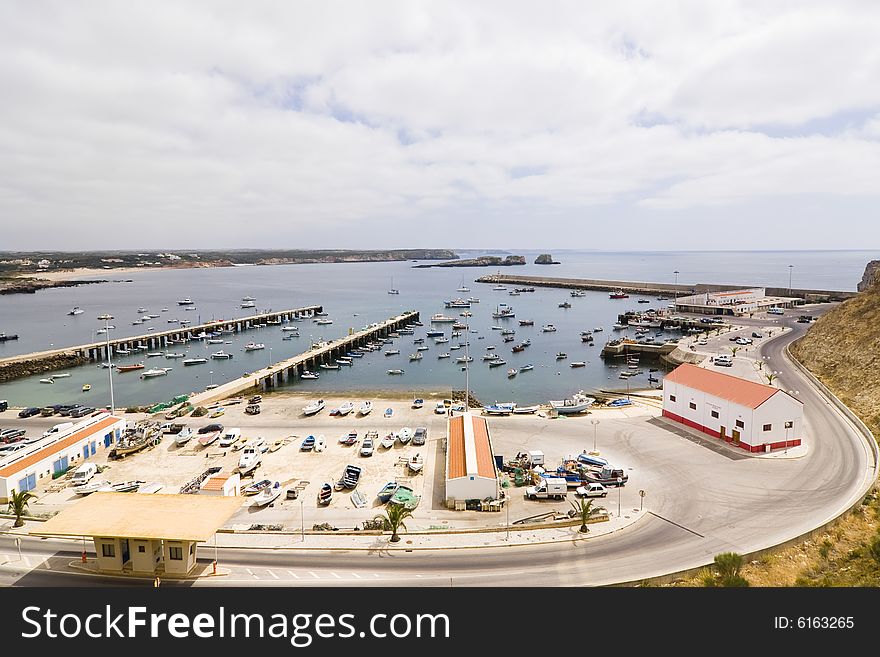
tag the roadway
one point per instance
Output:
(717, 503)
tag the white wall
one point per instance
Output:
(478, 488)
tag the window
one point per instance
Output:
(789, 425)
(693, 406)
(672, 398)
(715, 414)
(142, 549)
(740, 424)
(108, 549)
(768, 427)
(175, 553)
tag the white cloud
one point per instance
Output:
(294, 124)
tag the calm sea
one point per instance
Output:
(355, 294)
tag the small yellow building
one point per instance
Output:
(144, 534)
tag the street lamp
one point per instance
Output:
(790, 268)
(270, 357)
(107, 318)
(302, 521)
(595, 424)
(212, 377)
(676, 272)
(619, 486)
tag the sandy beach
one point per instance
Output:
(87, 272)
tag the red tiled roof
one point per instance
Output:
(54, 448)
(456, 451)
(724, 386)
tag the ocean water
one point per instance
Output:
(355, 294)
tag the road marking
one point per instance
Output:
(356, 575)
(251, 573)
(272, 574)
(676, 524)
(336, 575)
(313, 575)
(293, 574)
(27, 562)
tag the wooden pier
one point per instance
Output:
(97, 351)
(291, 368)
(665, 289)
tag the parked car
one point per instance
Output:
(8, 435)
(210, 428)
(82, 410)
(4, 404)
(256, 399)
(755, 334)
(68, 409)
(440, 408)
(252, 409)
(592, 490)
(48, 411)
(29, 412)
(420, 436)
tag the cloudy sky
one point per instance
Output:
(663, 125)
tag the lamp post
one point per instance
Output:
(790, 268)
(676, 272)
(212, 377)
(302, 521)
(467, 367)
(619, 486)
(107, 318)
(507, 504)
(270, 358)
(595, 424)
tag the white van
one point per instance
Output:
(83, 473)
(58, 428)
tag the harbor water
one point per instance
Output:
(356, 294)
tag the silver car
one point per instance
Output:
(420, 436)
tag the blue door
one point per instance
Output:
(27, 483)
(60, 465)
(94, 447)
(108, 439)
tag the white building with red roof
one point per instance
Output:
(746, 414)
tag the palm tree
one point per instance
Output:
(392, 519)
(584, 508)
(771, 377)
(733, 350)
(18, 505)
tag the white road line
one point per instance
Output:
(375, 574)
(336, 575)
(313, 575)
(251, 573)
(356, 575)
(293, 574)
(272, 574)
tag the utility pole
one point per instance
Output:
(107, 318)
(790, 269)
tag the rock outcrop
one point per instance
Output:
(482, 261)
(546, 259)
(870, 276)
(20, 368)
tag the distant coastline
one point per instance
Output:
(28, 272)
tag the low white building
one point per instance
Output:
(732, 302)
(22, 470)
(470, 463)
(225, 485)
(750, 415)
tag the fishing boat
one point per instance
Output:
(548, 328)
(527, 368)
(619, 294)
(395, 372)
(512, 373)
(257, 487)
(387, 491)
(387, 442)
(329, 366)
(183, 437)
(415, 464)
(86, 387)
(444, 356)
(309, 375)
(526, 322)
(440, 318)
(365, 408)
(561, 355)
(578, 363)
(404, 435)
(392, 352)
(91, 487)
(130, 368)
(76, 310)
(48, 380)
(473, 300)
(405, 497)
(250, 458)
(185, 302)
(418, 402)
(389, 412)
(508, 332)
(157, 371)
(313, 407)
(267, 495)
(497, 362)
(502, 310)
(221, 355)
(392, 289)
(415, 356)
(326, 492)
(578, 293)
(577, 403)
(254, 346)
(500, 409)
(345, 409)
(194, 361)
(248, 304)
(349, 439)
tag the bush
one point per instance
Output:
(874, 549)
(200, 411)
(728, 566)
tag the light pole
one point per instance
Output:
(270, 358)
(676, 272)
(212, 377)
(790, 268)
(595, 424)
(302, 521)
(107, 318)
(467, 366)
(507, 504)
(619, 486)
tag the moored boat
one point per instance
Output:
(577, 403)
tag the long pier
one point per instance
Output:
(291, 368)
(161, 339)
(635, 287)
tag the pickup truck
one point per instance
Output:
(607, 477)
(550, 487)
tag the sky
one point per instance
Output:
(659, 125)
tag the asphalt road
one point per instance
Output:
(758, 503)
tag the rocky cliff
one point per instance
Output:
(482, 261)
(546, 259)
(843, 350)
(870, 276)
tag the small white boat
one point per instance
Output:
(404, 435)
(329, 366)
(415, 464)
(578, 363)
(548, 328)
(309, 375)
(49, 380)
(248, 304)
(464, 359)
(444, 356)
(254, 346)
(365, 408)
(392, 352)
(267, 495)
(171, 354)
(313, 407)
(195, 361)
(76, 310)
(345, 409)
(415, 356)
(527, 368)
(523, 410)
(62, 375)
(154, 354)
(395, 372)
(158, 371)
(250, 458)
(220, 355)
(387, 442)
(90, 487)
(184, 436)
(323, 322)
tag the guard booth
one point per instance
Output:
(143, 534)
